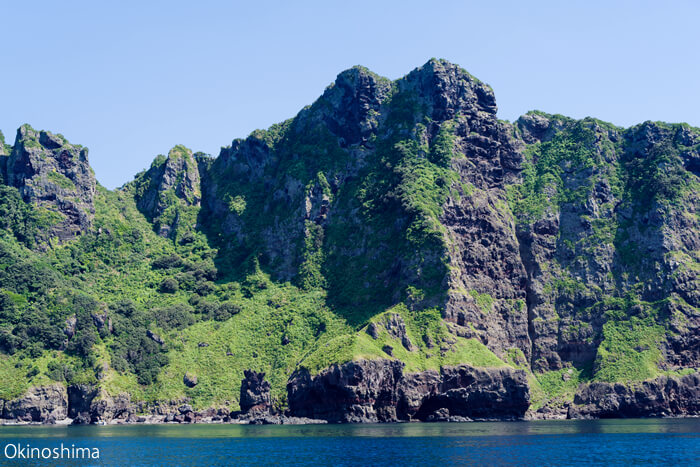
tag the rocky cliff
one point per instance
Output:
(169, 192)
(392, 252)
(660, 397)
(56, 176)
(380, 391)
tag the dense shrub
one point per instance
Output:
(167, 262)
(85, 331)
(59, 372)
(169, 285)
(174, 317)
(16, 216)
(225, 311)
(132, 350)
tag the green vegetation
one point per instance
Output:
(431, 345)
(322, 240)
(630, 350)
(237, 204)
(60, 180)
(310, 275)
(659, 176)
(556, 387)
(543, 188)
(483, 300)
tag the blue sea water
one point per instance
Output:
(600, 442)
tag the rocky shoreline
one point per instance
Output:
(376, 391)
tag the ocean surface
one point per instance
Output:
(600, 442)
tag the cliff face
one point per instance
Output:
(527, 236)
(380, 391)
(169, 193)
(609, 239)
(393, 252)
(660, 397)
(56, 175)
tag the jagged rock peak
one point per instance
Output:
(352, 102)
(2, 144)
(182, 174)
(536, 126)
(170, 185)
(56, 175)
(4, 151)
(449, 90)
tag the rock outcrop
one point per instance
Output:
(378, 391)
(46, 404)
(662, 397)
(80, 403)
(169, 193)
(255, 393)
(105, 408)
(190, 380)
(353, 102)
(55, 175)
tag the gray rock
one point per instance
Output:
(174, 177)
(663, 396)
(378, 391)
(255, 393)
(109, 409)
(55, 175)
(46, 404)
(373, 330)
(155, 337)
(440, 415)
(189, 380)
(396, 327)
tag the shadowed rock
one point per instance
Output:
(255, 393)
(663, 396)
(378, 391)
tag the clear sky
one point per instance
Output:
(132, 79)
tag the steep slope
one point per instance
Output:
(169, 192)
(609, 232)
(394, 251)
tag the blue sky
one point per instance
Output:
(129, 80)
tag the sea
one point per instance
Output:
(539, 443)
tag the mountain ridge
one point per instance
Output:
(388, 221)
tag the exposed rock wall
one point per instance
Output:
(47, 404)
(369, 392)
(607, 219)
(661, 397)
(379, 391)
(169, 193)
(56, 176)
(255, 393)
